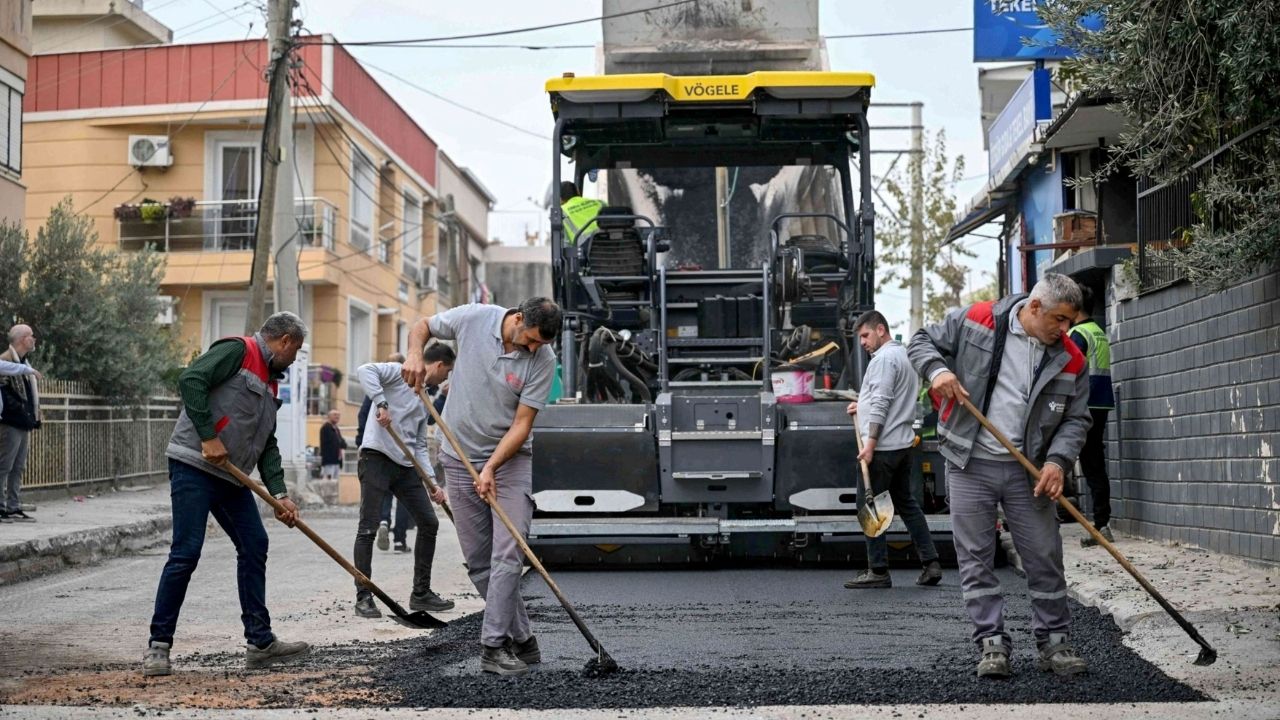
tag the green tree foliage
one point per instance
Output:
(1191, 76)
(944, 269)
(93, 310)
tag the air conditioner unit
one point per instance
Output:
(168, 310)
(429, 279)
(149, 151)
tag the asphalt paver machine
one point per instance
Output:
(737, 236)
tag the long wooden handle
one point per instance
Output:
(422, 473)
(866, 471)
(1088, 526)
(337, 557)
(511, 528)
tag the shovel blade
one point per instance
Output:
(418, 620)
(874, 516)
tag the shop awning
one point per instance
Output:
(983, 210)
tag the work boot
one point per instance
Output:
(366, 608)
(501, 661)
(931, 575)
(1088, 541)
(383, 531)
(156, 662)
(1058, 655)
(995, 658)
(277, 652)
(870, 579)
(430, 602)
(528, 651)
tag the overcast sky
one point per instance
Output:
(934, 69)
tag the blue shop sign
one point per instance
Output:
(1010, 135)
(1011, 30)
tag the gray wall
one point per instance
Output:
(512, 283)
(1193, 456)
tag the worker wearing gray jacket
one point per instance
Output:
(384, 470)
(886, 413)
(1010, 359)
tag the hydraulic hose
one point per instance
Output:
(637, 386)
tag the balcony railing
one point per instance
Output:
(225, 226)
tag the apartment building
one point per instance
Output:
(161, 147)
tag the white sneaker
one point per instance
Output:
(382, 542)
(156, 661)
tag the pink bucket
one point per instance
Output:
(793, 386)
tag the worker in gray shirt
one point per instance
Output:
(885, 412)
(503, 378)
(384, 469)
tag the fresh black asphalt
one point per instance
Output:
(750, 637)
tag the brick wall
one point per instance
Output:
(1193, 453)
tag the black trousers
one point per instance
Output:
(891, 470)
(379, 477)
(1093, 462)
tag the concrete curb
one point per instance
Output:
(32, 558)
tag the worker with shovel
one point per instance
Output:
(885, 411)
(385, 469)
(501, 380)
(1011, 358)
(228, 414)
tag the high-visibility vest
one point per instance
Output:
(580, 213)
(1098, 353)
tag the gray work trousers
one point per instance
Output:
(14, 443)
(974, 493)
(494, 560)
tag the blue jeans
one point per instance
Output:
(195, 495)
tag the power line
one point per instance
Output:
(494, 46)
(514, 31)
(371, 251)
(118, 54)
(899, 33)
(181, 127)
(95, 21)
(456, 104)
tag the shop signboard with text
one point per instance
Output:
(1012, 30)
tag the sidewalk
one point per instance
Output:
(85, 529)
(1233, 604)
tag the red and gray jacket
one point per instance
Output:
(244, 408)
(970, 343)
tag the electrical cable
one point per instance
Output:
(184, 124)
(515, 31)
(456, 104)
(117, 55)
(899, 33)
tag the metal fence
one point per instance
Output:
(85, 439)
(1166, 212)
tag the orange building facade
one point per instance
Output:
(161, 147)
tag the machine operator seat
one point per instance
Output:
(615, 249)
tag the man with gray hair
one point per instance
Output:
(1010, 358)
(19, 415)
(228, 415)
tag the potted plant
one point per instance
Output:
(180, 207)
(152, 210)
(126, 213)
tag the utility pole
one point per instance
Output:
(278, 239)
(279, 21)
(917, 217)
